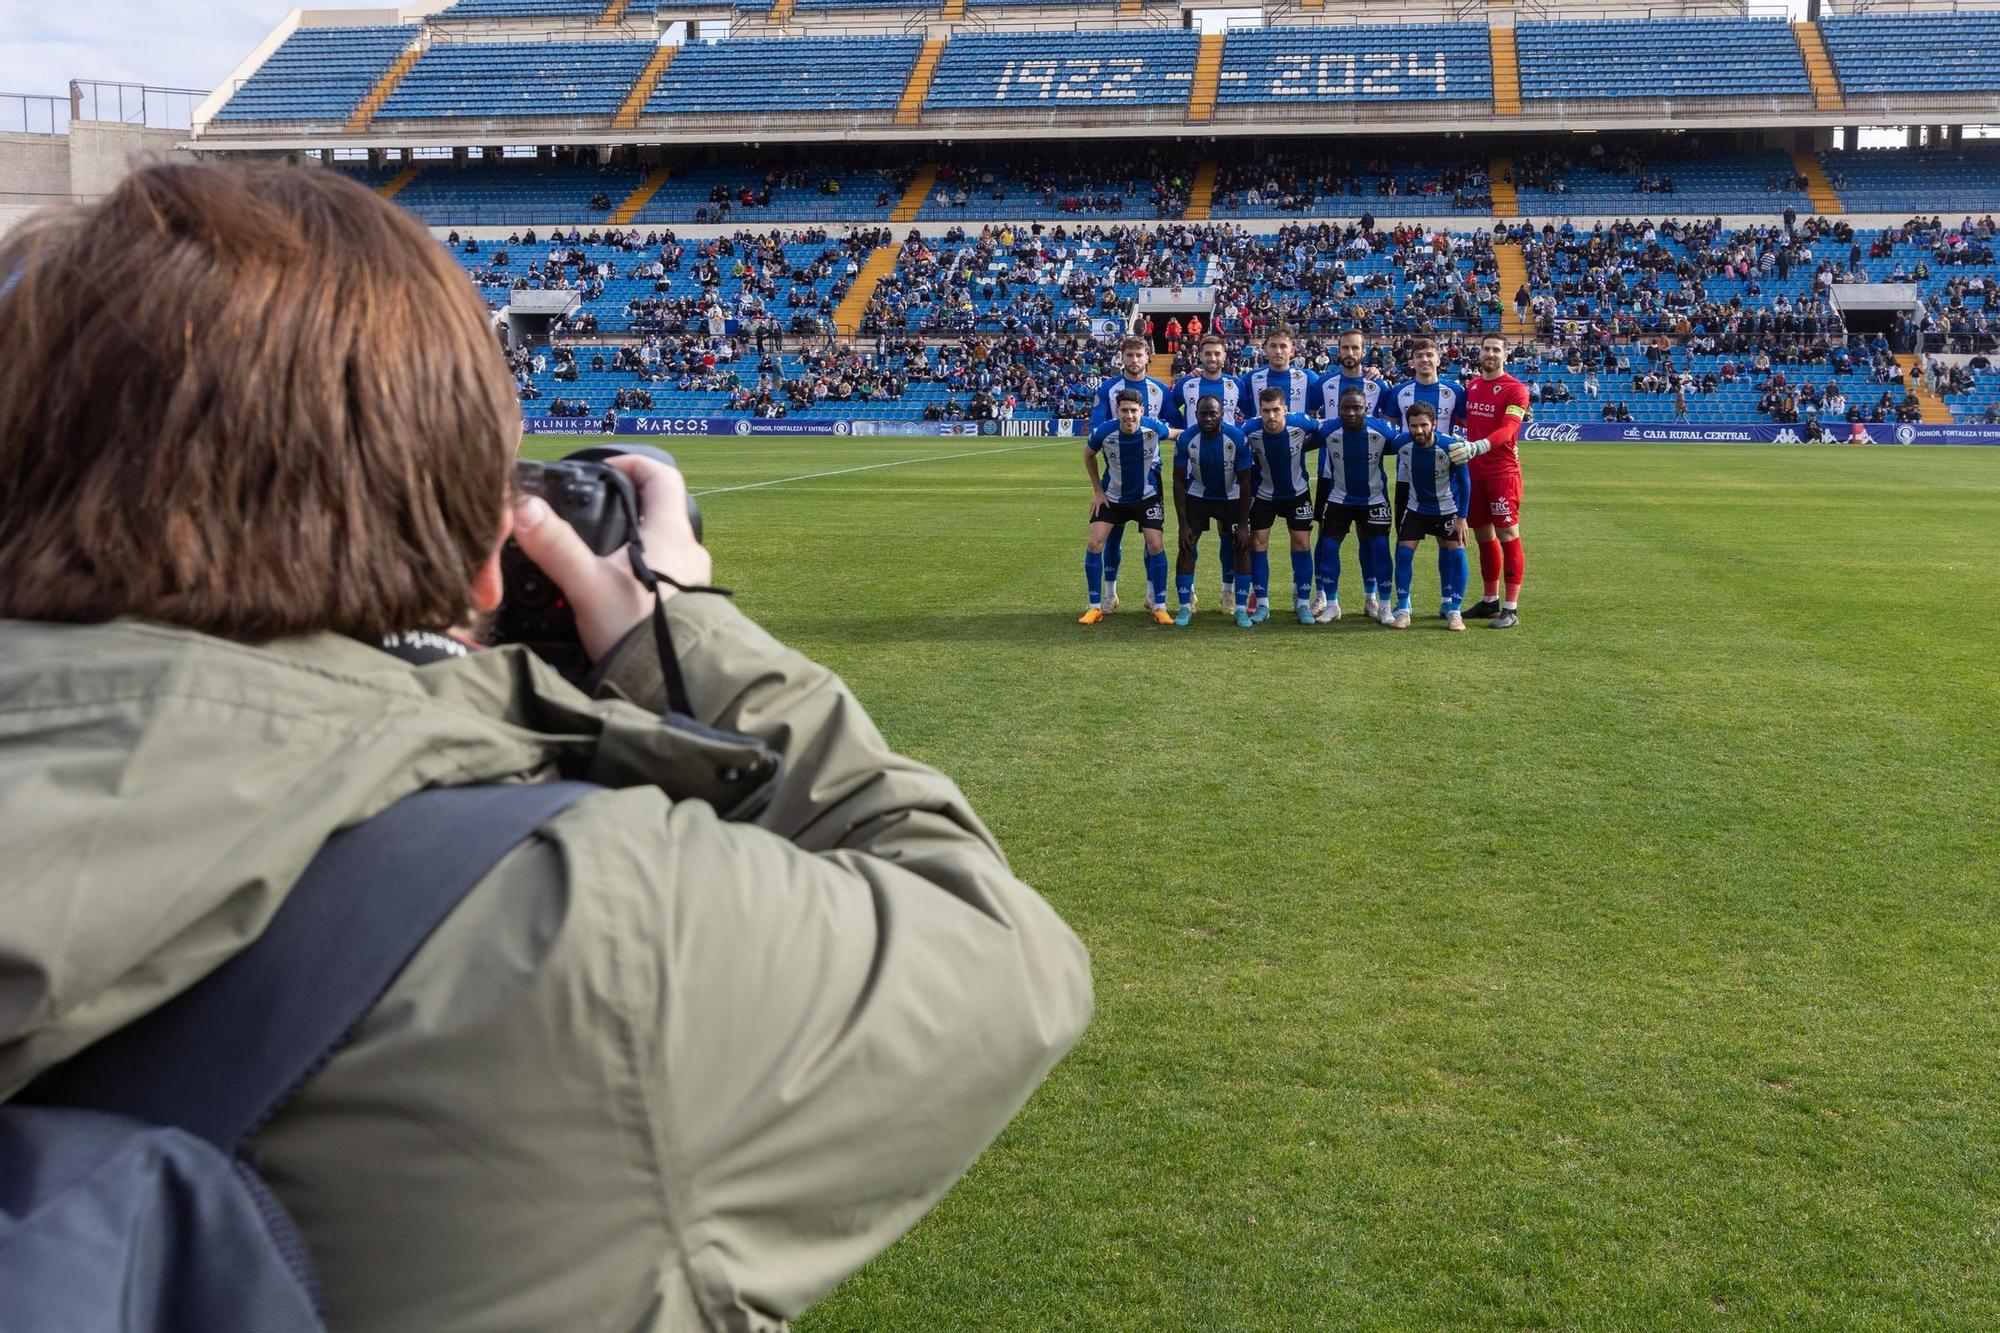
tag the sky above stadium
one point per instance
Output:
(166, 43)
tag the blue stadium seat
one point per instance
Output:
(509, 9)
(800, 75)
(1657, 58)
(1933, 55)
(1424, 62)
(1729, 183)
(1123, 68)
(797, 195)
(1929, 180)
(318, 74)
(541, 193)
(485, 80)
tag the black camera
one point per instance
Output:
(602, 504)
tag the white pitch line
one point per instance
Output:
(872, 467)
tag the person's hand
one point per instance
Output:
(1464, 451)
(605, 595)
(1097, 499)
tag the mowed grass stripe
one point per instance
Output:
(1630, 970)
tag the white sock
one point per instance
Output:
(1507, 606)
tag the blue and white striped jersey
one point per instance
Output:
(1191, 389)
(1437, 489)
(1214, 463)
(1302, 397)
(1355, 460)
(1105, 407)
(1131, 462)
(1335, 386)
(1446, 396)
(1280, 457)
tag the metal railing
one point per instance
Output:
(134, 104)
(32, 113)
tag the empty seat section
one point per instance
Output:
(1928, 180)
(1065, 69)
(1931, 54)
(1660, 58)
(528, 9)
(519, 79)
(318, 74)
(515, 193)
(1422, 62)
(1659, 185)
(797, 75)
(1316, 184)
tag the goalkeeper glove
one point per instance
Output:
(1464, 451)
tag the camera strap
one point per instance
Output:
(663, 635)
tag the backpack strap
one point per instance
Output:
(225, 1056)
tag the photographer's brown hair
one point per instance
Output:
(254, 401)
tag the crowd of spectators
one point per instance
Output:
(1151, 183)
(1302, 182)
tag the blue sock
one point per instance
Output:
(1455, 573)
(1093, 576)
(1113, 557)
(1326, 565)
(1156, 577)
(1406, 572)
(1384, 566)
(1302, 576)
(1260, 574)
(1237, 590)
(1184, 587)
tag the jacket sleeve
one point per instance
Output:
(853, 997)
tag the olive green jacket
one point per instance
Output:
(659, 1071)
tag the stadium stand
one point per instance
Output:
(1302, 181)
(1065, 70)
(786, 194)
(493, 79)
(1660, 58)
(1898, 180)
(1141, 183)
(1432, 62)
(1612, 178)
(795, 76)
(446, 195)
(1925, 54)
(512, 9)
(318, 74)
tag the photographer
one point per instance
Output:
(661, 1069)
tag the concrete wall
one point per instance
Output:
(34, 172)
(37, 170)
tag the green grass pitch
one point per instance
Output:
(1635, 969)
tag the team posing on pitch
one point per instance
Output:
(1240, 465)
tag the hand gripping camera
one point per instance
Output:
(602, 504)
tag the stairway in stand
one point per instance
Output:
(1513, 276)
(1933, 410)
(847, 315)
(1201, 195)
(1825, 199)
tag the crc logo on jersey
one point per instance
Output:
(1156, 511)
(1304, 511)
(1556, 433)
(1503, 510)
(1378, 513)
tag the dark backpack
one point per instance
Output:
(125, 1203)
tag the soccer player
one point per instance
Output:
(1134, 355)
(1279, 443)
(1447, 401)
(1128, 492)
(1208, 382)
(1440, 487)
(1353, 492)
(1352, 348)
(1211, 462)
(1496, 406)
(1299, 386)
